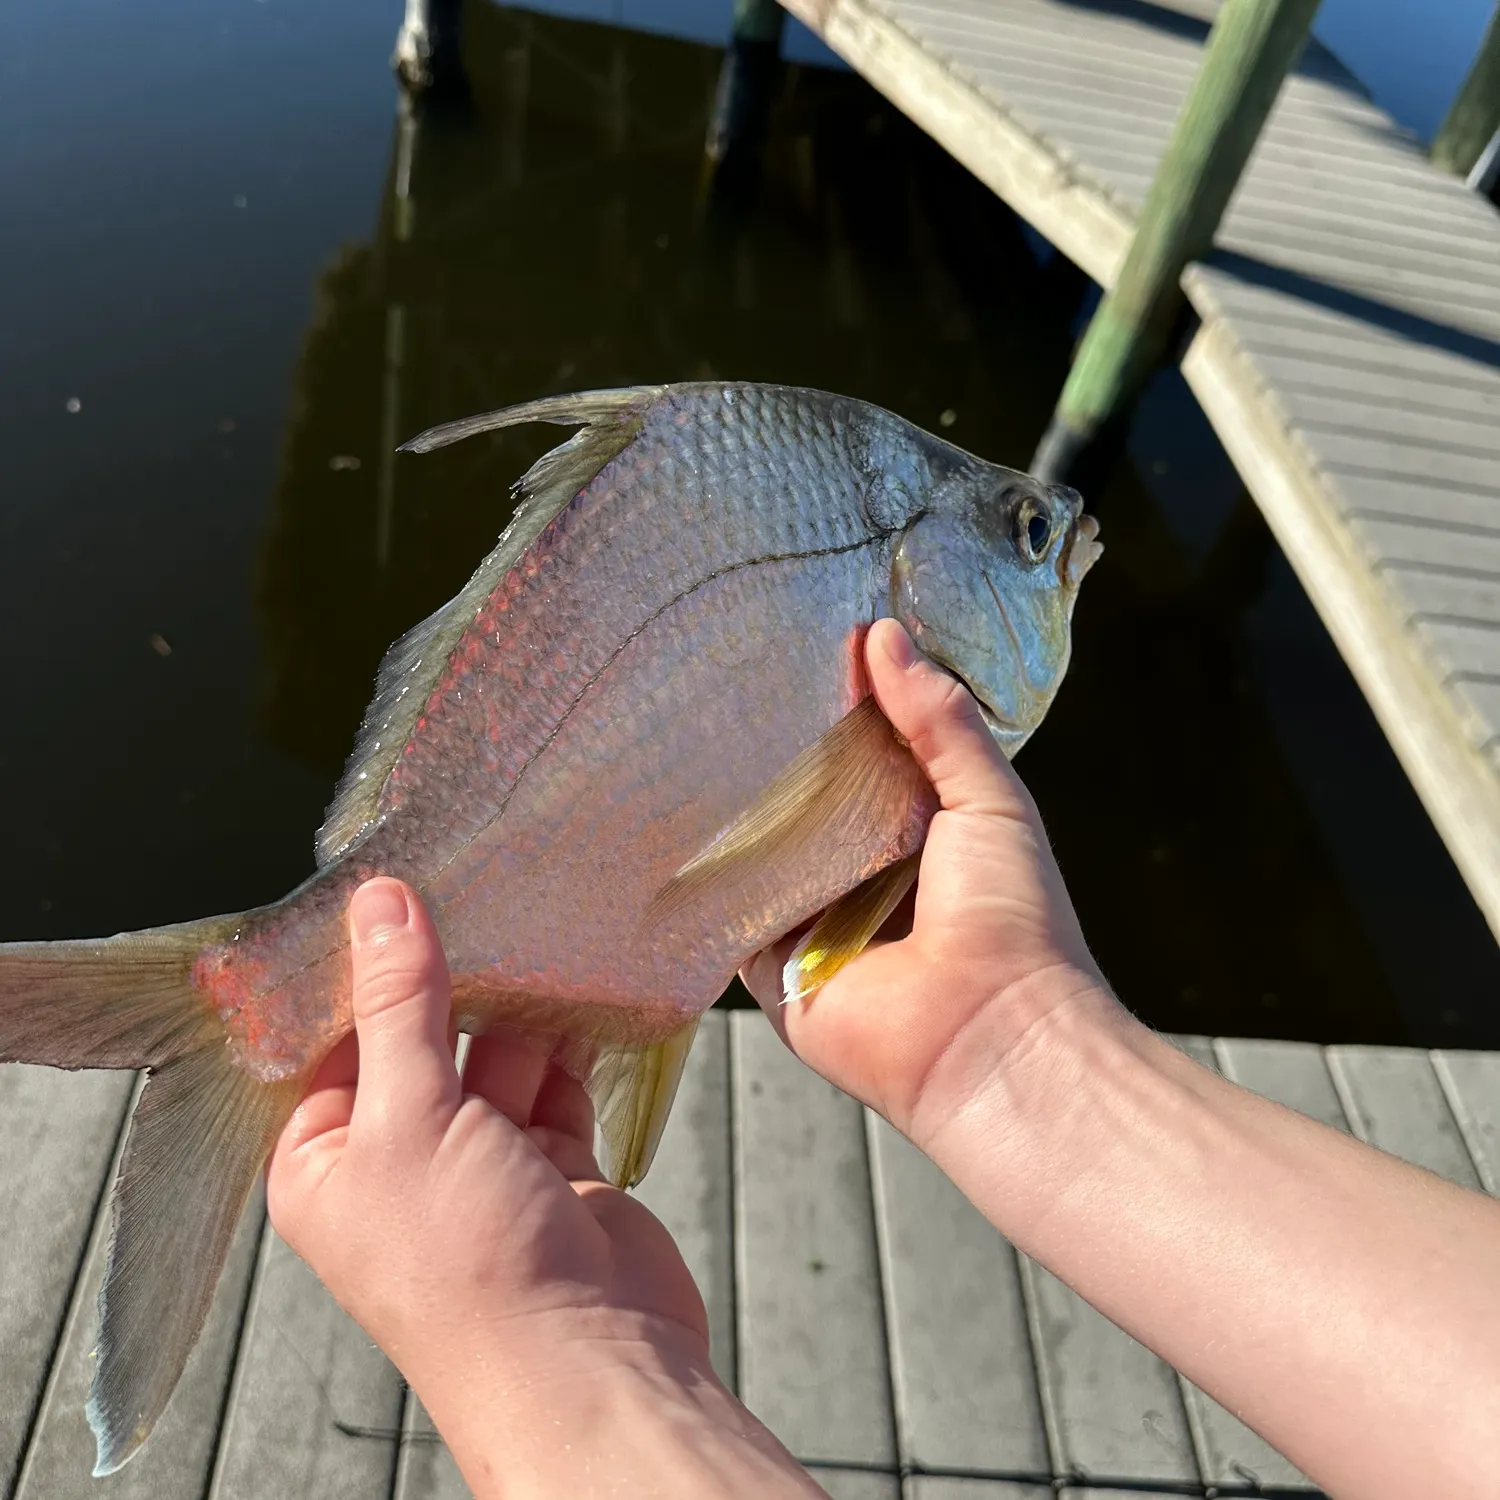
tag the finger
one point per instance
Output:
(562, 1104)
(566, 1152)
(408, 1084)
(940, 719)
(339, 1068)
(761, 975)
(507, 1072)
(764, 973)
(329, 1100)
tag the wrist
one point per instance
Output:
(604, 1401)
(1013, 1100)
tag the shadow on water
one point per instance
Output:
(559, 233)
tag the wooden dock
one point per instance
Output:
(887, 1333)
(1348, 353)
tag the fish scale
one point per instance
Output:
(605, 544)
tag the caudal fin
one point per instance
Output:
(197, 1139)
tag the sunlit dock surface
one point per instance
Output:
(891, 1338)
(1349, 350)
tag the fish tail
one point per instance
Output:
(199, 1135)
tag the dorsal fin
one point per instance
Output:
(610, 421)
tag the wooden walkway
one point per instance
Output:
(858, 1303)
(1349, 349)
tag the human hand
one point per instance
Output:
(458, 1212)
(464, 1224)
(992, 936)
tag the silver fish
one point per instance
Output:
(635, 749)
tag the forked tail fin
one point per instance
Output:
(199, 1135)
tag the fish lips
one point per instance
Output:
(1008, 735)
(1082, 551)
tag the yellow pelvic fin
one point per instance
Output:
(848, 784)
(845, 929)
(632, 1087)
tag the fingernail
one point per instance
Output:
(379, 907)
(900, 649)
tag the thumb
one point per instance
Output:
(408, 1084)
(940, 719)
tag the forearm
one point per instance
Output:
(623, 1419)
(1343, 1303)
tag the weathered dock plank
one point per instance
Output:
(1113, 1410)
(316, 1408)
(1000, 150)
(425, 1469)
(1354, 289)
(1463, 646)
(1473, 433)
(812, 1352)
(1430, 728)
(944, 1487)
(1392, 1099)
(1292, 1074)
(53, 1181)
(1471, 1083)
(858, 1484)
(964, 1378)
(845, 1242)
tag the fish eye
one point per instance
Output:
(1033, 531)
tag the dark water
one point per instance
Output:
(254, 277)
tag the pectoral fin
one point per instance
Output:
(852, 782)
(845, 929)
(632, 1088)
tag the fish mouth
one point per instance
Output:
(1082, 552)
(1000, 727)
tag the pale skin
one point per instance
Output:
(1345, 1305)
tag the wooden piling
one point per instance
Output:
(743, 100)
(1473, 119)
(429, 44)
(1252, 46)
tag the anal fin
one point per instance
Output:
(633, 1087)
(844, 931)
